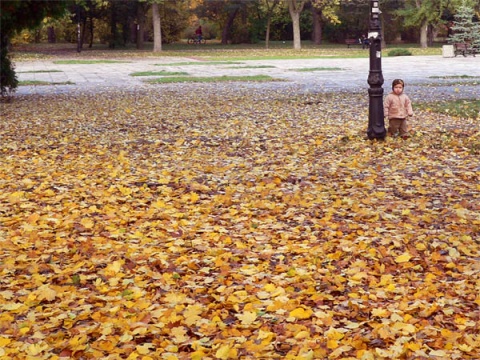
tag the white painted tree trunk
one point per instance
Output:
(297, 41)
(157, 30)
(295, 7)
(423, 34)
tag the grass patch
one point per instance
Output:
(318, 69)
(465, 108)
(88, 62)
(451, 83)
(209, 79)
(40, 82)
(399, 52)
(39, 71)
(211, 52)
(187, 63)
(253, 67)
(455, 77)
(287, 54)
(159, 73)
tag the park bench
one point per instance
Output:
(350, 42)
(464, 49)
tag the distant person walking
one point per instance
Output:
(364, 41)
(397, 107)
(199, 33)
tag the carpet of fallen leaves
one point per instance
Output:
(215, 222)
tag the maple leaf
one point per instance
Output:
(405, 257)
(301, 313)
(226, 352)
(45, 292)
(192, 314)
(179, 334)
(4, 341)
(36, 349)
(145, 348)
(247, 317)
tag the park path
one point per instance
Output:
(422, 74)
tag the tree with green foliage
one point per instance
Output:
(16, 15)
(169, 20)
(270, 6)
(465, 30)
(323, 10)
(425, 14)
(223, 13)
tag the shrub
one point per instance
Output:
(399, 52)
(8, 78)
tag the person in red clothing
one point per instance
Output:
(397, 107)
(199, 33)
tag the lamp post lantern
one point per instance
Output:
(376, 122)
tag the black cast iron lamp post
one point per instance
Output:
(376, 122)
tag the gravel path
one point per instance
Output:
(422, 75)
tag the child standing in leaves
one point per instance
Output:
(397, 107)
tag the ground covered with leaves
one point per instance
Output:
(205, 222)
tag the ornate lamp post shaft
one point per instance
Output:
(376, 123)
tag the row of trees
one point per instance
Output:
(117, 22)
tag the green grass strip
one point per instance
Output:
(318, 69)
(253, 67)
(187, 63)
(39, 71)
(88, 62)
(39, 82)
(450, 83)
(454, 77)
(210, 79)
(465, 108)
(159, 73)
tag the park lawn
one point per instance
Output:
(208, 222)
(463, 108)
(212, 51)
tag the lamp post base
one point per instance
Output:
(376, 122)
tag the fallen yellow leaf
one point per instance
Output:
(405, 257)
(301, 313)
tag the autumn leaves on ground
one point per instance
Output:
(234, 223)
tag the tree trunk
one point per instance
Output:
(52, 38)
(270, 9)
(228, 26)
(267, 33)
(317, 26)
(83, 30)
(91, 27)
(79, 31)
(157, 29)
(140, 25)
(113, 26)
(297, 41)
(383, 43)
(423, 34)
(295, 7)
(430, 35)
(37, 37)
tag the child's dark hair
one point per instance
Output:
(397, 82)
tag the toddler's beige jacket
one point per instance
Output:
(397, 106)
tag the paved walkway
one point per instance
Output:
(422, 74)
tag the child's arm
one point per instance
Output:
(386, 106)
(408, 105)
